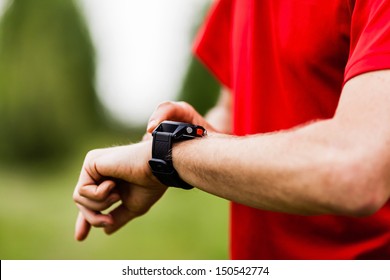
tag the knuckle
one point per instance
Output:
(100, 195)
(92, 192)
(166, 105)
(185, 105)
(100, 207)
(76, 196)
(91, 155)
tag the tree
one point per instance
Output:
(47, 94)
(199, 87)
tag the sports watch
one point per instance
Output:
(167, 133)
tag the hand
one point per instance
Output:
(176, 111)
(111, 175)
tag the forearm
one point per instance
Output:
(279, 172)
(338, 166)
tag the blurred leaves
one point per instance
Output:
(48, 107)
(199, 87)
(47, 97)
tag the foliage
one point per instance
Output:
(47, 100)
(199, 87)
(47, 97)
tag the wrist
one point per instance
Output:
(148, 155)
(190, 158)
(131, 164)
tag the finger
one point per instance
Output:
(95, 205)
(138, 200)
(95, 218)
(82, 228)
(121, 216)
(175, 111)
(96, 192)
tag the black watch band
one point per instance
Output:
(164, 136)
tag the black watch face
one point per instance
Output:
(181, 130)
(170, 126)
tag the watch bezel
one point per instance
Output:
(180, 129)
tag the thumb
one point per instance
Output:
(175, 111)
(171, 110)
(121, 216)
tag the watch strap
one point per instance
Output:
(171, 179)
(161, 162)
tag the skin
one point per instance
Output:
(335, 166)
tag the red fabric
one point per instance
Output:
(286, 63)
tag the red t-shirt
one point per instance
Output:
(286, 63)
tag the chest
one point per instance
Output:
(292, 32)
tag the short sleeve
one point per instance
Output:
(370, 38)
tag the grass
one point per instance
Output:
(37, 217)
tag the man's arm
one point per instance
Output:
(122, 173)
(338, 166)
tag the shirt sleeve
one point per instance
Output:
(370, 38)
(212, 44)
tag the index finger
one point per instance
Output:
(82, 228)
(174, 111)
(96, 192)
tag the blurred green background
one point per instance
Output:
(50, 117)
